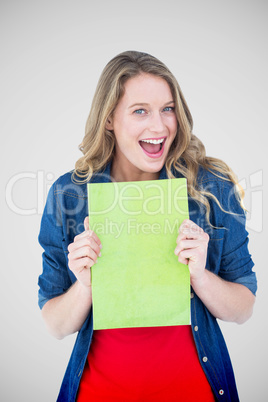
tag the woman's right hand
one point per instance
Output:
(83, 254)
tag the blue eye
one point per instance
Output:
(139, 111)
(168, 109)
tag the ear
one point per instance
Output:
(109, 124)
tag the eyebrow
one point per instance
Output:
(146, 104)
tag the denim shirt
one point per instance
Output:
(227, 256)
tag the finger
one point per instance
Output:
(86, 223)
(85, 242)
(92, 236)
(189, 244)
(188, 225)
(78, 265)
(185, 234)
(185, 256)
(83, 252)
(190, 231)
(183, 260)
(88, 234)
(86, 227)
(198, 254)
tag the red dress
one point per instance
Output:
(158, 364)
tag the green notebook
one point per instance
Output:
(138, 281)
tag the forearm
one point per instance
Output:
(65, 314)
(227, 301)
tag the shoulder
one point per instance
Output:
(223, 189)
(205, 176)
(67, 186)
(214, 182)
(66, 206)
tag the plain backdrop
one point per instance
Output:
(52, 54)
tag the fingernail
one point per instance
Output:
(99, 254)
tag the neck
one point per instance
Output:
(120, 175)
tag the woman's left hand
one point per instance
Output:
(225, 300)
(192, 244)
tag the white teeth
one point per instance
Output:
(154, 141)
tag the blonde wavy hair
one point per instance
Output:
(186, 153)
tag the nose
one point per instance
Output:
(156, 123)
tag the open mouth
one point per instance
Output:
(153, 147)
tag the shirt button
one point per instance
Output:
(196, 328)
(221, 392)
(192, 295)
(205, 359)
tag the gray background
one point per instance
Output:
(52, 54)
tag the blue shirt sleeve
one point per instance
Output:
(54, 279)
(236, 262)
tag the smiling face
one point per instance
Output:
(144, 124)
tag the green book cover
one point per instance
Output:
(138, 281)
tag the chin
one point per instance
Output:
(153, 167)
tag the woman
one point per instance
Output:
(140, 128)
